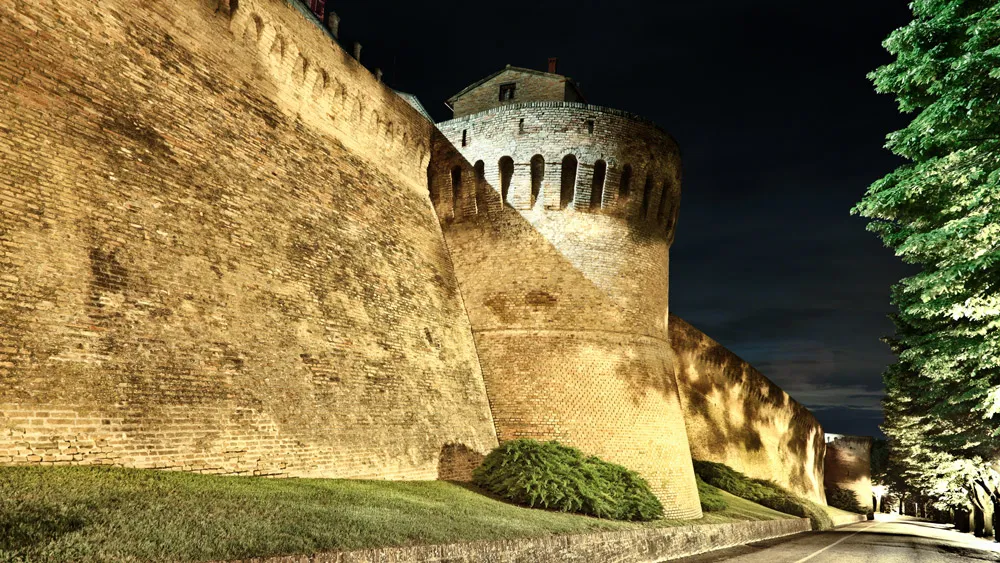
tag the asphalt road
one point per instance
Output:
(890, 539)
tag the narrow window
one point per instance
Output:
(664, 197)
(537, 173)
(506, 166)
(456, 188)
(567, 188)
(465, 137)
(590, 126)
(507, 91)
(520, 126)
(624, 185)
(597, 188)
(647, 192)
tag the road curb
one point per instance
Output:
(650, 545)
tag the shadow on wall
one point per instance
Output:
(737, 416)
(555, 293)
(563, 357)
(457, 461)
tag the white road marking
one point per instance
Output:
(815, 553)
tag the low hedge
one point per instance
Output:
(844, 499)
(763, 492)
(557, 477)
(711, 499)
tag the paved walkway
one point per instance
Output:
(889, 539)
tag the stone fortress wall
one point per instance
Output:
(564, 270)
(736, 416)
(848, 465)
(226, 247)
(217, 252)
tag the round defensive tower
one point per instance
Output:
(559, 217)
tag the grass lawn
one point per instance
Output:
(112, 514)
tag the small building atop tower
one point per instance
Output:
(515, 85)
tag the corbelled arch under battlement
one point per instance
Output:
(313, 76)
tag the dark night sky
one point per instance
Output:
(780, 131)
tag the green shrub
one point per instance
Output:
(762, 492)
(557, 477)
(844, 499)
(711, 499)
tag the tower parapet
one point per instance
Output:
(560, 155)
(559, 217)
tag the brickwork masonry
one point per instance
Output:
(736, 416)
(847, 464)
(217, 253)
(226, 247)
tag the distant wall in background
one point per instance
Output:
(849, 465)
(736, 416)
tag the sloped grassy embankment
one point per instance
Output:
(769, 494)
(112, 514)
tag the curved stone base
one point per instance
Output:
(611, 395)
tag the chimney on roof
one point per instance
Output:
(378, 75)
(552, 64)
(333, 22)
(357, 51)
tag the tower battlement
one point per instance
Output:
(549, 156)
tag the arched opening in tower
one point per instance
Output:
(647, 192)
(664, 198)
(625, 183)
(567, 189)
(456, 189)
(480, 168)
(537, 173)
(506, 167)
(597, 187)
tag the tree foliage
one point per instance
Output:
(941, 212)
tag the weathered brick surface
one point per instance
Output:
(569, 305)
(633, 546)
(848, 464)
(217, 252)
(735, 415)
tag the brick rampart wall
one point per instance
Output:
(848, 465)
(569, 305)
(217, 252)
(735, 415)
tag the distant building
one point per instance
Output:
(515, 85)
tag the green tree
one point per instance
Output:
(880, 462)
(941, 211)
